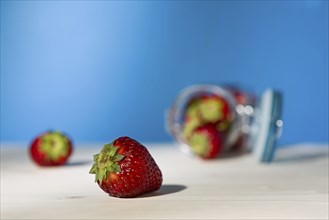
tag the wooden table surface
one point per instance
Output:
(294, 186)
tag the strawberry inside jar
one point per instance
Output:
(205, 122)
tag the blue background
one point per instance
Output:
(99, 70)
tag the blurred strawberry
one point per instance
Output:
(206, 141)
(51, 148)
(212, 109)
(206, 109)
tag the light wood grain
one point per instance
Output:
(294, 186)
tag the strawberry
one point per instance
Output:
(125, 168)
(206, 141)
(51, 148)
(212, 109)
(206, 109)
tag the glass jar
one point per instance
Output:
(231, 120)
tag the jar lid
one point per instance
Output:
(267, 127)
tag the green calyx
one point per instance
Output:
(211, 110)
(199, 144)
(55, 145)
(189, 127)
(106, 162)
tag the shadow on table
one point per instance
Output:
(165, 190)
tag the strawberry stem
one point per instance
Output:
(106, 162)
(199, 144)
(55, 145)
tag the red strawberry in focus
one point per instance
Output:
(51, 148)
(206, 141)
(125, 168)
